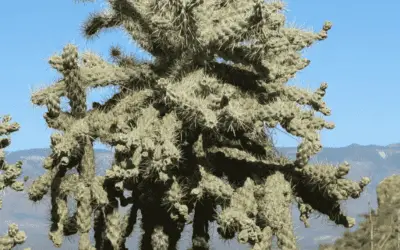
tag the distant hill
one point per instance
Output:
(376, 162)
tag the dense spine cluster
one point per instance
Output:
(188, 130)
(8, 178)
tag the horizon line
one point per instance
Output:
(350, 145)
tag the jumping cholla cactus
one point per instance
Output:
(187, 129)
(8, 178)
(381, 228)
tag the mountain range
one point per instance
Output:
(373, 161)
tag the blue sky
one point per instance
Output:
(359, 60)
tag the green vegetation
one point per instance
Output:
(188, 130)
(381, 228)
(8, 178)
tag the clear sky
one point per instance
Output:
(359, 60)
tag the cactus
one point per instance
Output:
(8, 178)
(188, 131)
(380, 229)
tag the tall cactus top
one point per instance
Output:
(187, 128)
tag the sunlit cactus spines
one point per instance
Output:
(9, 173)
(188, 129)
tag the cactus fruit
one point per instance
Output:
(188, 130)
(8, 178)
